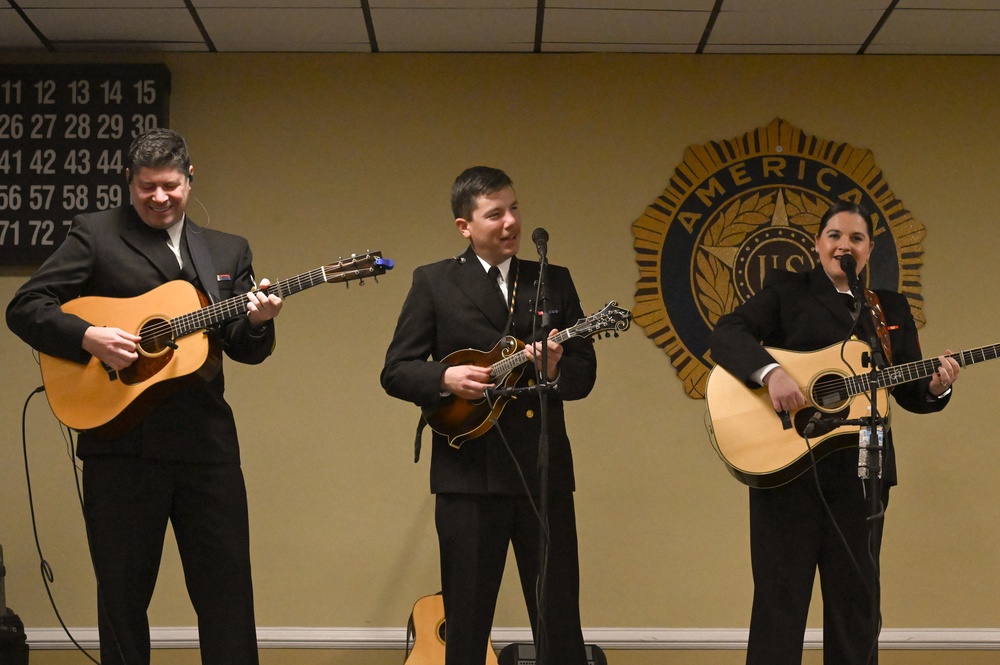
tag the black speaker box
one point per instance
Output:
(524, 654)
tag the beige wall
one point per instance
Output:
(314, 156)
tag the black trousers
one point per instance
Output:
(127, 503)
(474, 534)
(791, 536)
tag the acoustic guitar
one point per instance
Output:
(428, 627)
(764, 449)
(462, 420)
(94, 397)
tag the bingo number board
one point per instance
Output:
(65, 131)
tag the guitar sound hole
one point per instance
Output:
(443, 631)
(829, 392)
(156, 337)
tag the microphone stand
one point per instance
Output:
(871, 454)
(542, 388)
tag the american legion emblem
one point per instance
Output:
(735, 209)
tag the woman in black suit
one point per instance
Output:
(181, 463)
(791, 534)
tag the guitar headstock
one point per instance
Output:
(357, 266)
(611, 320)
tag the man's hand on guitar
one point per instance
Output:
(946, 374)
(466, 381)
(261, 307)
(114, 347)
(531, 351)
(784, 391)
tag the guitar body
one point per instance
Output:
(461, 419)
(174, 350)
(751, 438)
(86, 397)
(429, 633)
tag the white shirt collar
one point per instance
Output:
(503, 267)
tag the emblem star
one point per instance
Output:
(727, 255)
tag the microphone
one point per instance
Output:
(850, 267)
(541, 239)
(818, 425)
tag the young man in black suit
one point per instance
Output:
(487, 490)
(181, 463)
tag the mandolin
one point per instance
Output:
(462, 420)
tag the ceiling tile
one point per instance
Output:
(948, 4)
(608, 27)
(826, 29)
(939, 32)
(454, 29)
(100, 4)
(15, 34)
(453, 4)
(264, 29)
(275, 4)
(161, 25)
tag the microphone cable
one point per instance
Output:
(45, 568)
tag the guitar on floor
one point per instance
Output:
(428, 628)
(762, 449)
(462, 420)
(95, 397)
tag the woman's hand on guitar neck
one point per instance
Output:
(114, 347)
(946, 374)
(466, 381)
(784, 391)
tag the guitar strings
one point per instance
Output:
(895, 374)
(192, 321)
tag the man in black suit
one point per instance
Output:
(487, 490)
(791, 532)
(181, 463)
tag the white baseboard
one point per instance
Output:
(668, 639)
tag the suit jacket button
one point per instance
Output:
(529, 414)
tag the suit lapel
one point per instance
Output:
(202, 259)
(472, 280)
(825, 292)
(150, 244)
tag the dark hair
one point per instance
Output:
(158, 148)
(847, 206)
(473, 183)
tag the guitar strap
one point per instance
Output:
(878, 321)
(418, 438)
(507, 329)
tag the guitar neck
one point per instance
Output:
(237, 305)
(358, 266)
(502, 367)
(919, 369)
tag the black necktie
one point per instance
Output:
(848, 300)
(494, 275)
